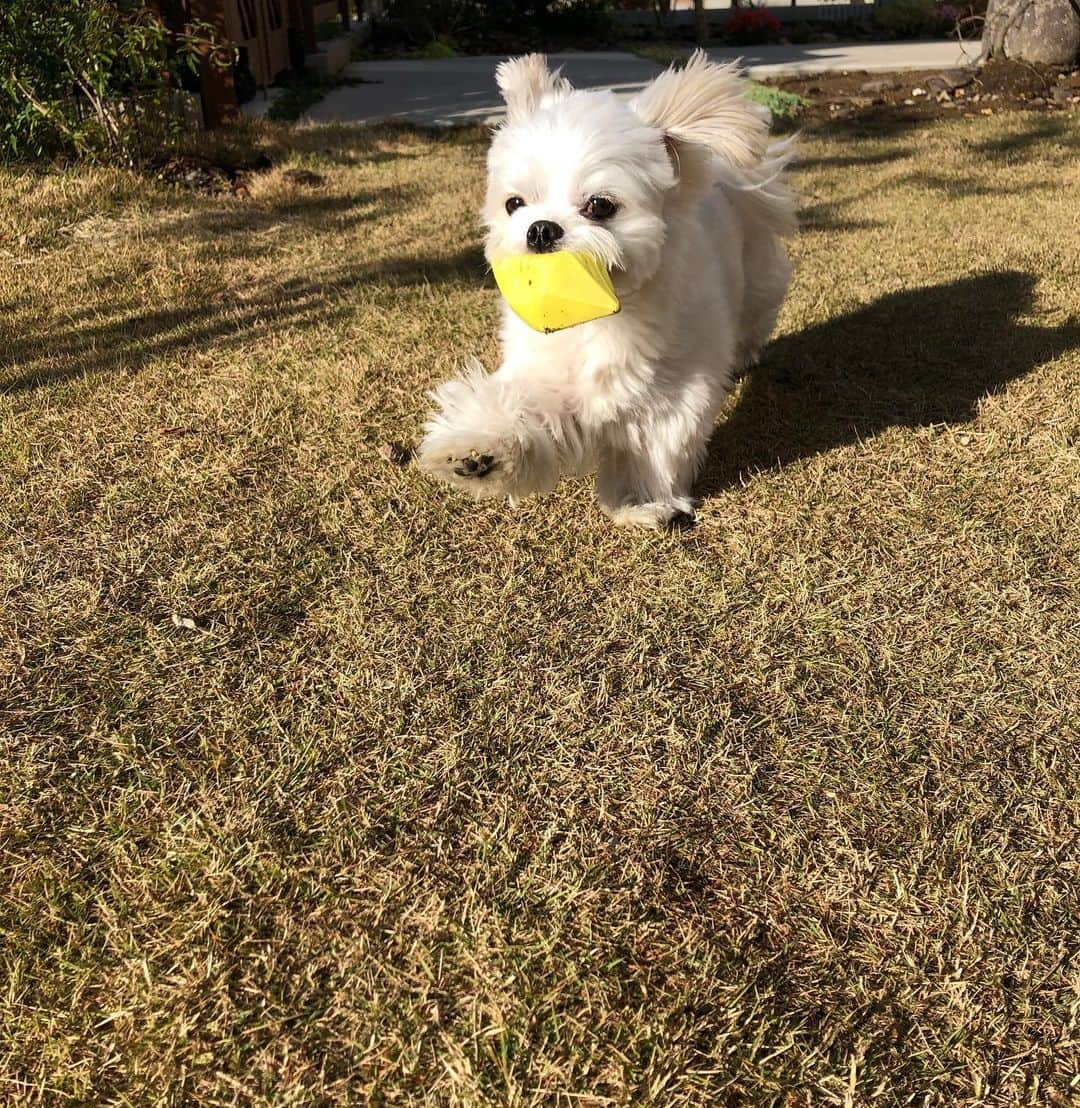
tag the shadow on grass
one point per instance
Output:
(128, 338)
(852, 161)
(914, 358)
(320, 214)
(1034, 132)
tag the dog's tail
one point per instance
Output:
(763, 192)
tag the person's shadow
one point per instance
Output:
(924, 356)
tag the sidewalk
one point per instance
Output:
(462, 90)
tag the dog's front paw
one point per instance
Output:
(474, 464)
(480, 467)
(469, 440)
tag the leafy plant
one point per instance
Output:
(784, 105)
(93, 78)
(438, 48)
(499, 26)
(300, 93)
(751, 27)
(905, 18)
(962, 20)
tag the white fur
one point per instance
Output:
(696, 259)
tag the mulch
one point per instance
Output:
(212, 178)
(911, 97)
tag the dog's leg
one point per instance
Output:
(768, 276)
(494, 435)
(649, 485)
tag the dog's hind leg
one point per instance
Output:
(768, 274)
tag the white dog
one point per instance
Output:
(680, 194)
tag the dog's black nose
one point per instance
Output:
(542, 235)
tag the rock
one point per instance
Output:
(304, 178)
(95, 229)
(1047, 32)
(1037, 102)
(949, 80)
(875, 86)
(918, 92)
(909, 103)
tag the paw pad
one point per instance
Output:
(475, 465)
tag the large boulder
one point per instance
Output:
(1046, 31)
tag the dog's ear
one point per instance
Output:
(707, 105)
(527, 83)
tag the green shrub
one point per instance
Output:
(785, 106)
(438, 48)
(576, 19)
(491, 26)
(92, 78)
(299, 93)
(905, 18)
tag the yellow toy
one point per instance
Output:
(557, 290)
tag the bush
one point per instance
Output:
(93, 78)
(751, 27)
(438, 48)
(785, 106)
(491, 26)
(963, 19)
(905, 18)
(577, 19)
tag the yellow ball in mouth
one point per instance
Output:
(553, 291)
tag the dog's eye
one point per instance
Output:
(600, 207)
(513, 204)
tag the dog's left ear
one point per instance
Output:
(527, 83)
(706, 105)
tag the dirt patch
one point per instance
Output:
(205, 176)
(934, 93)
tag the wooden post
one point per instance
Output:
(311, 44)
(219, 104)
(298, 48)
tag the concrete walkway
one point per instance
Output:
(462, 90)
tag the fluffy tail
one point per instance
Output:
(762, 192)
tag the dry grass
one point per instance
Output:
(424, 802)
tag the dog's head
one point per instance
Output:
(590, 172)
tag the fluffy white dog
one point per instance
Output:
(680, 194)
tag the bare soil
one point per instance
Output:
(935, 94)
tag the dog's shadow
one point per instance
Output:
(914, 358)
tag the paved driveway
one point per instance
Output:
(462, 90)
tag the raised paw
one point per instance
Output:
(481, 471)
(474, 464)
